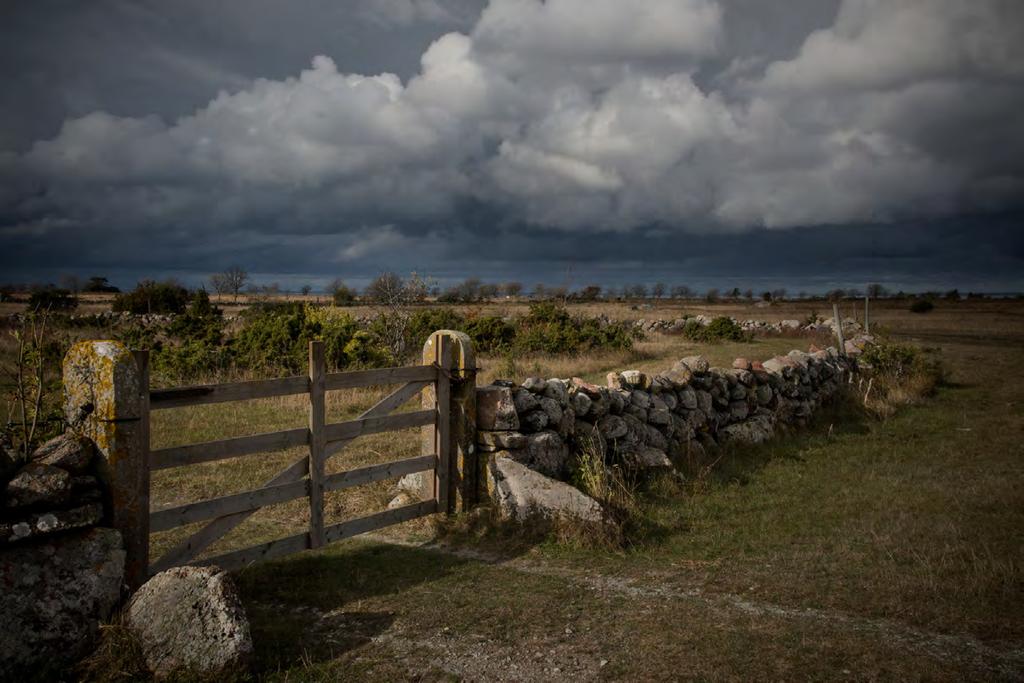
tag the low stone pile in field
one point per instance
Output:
(676, 326)
(60, 571)
(642, 423)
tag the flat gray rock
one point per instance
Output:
(68, 451)
(520, 492)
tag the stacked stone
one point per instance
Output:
(532, 423)
(524, 433)
(677, 325)
(645, 423)
(61, 572)
(56, 491)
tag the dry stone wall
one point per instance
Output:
(643, 422)
(61, 570)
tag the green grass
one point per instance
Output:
(850, 550)
(858, 548)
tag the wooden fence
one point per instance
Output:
(304, 478)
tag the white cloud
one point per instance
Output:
(575, 114)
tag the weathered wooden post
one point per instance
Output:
(463, 468)
(867, 323)
(839, 328)
(106, 398)
(317, 419)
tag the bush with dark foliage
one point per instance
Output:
(153, 297)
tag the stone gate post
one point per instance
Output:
(106, 399)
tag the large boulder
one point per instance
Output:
(53, 596)
(520, 492)
(189, 621)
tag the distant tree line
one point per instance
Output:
(389, 288)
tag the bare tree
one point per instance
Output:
(711, 296)
(306, 289)
(513, 289)
(681, 292)
(231, 281)
(396, 295)
(658, 290)
(638, 291)
(876, 291)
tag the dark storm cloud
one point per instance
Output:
(323, 136)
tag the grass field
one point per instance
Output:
(859, 549)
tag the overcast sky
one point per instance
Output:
(798, 143)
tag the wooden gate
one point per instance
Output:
(305, 478)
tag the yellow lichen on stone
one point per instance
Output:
(103, 401)
(101, 380)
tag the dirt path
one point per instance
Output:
(480, 660)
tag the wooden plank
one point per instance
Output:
(379, 520)
(363, 378)
(372, 473)
(442, 429)
(317, 440)
(375, 425)
(139, 568)
(200, 540)
(227, 448)
(382, 407)
(162, 520)
(399, 396)
(232, 391)
(257, 553)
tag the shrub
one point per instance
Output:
(276, 338)
(424, 321)
(343, 296)
(195, 346)
(491, 334)
(921, 306)
(100, 285)
(190, 360)
(719, 329)
(153, 297)
(549, 328)
(51, 299)
(900, 374)
(201, 321)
